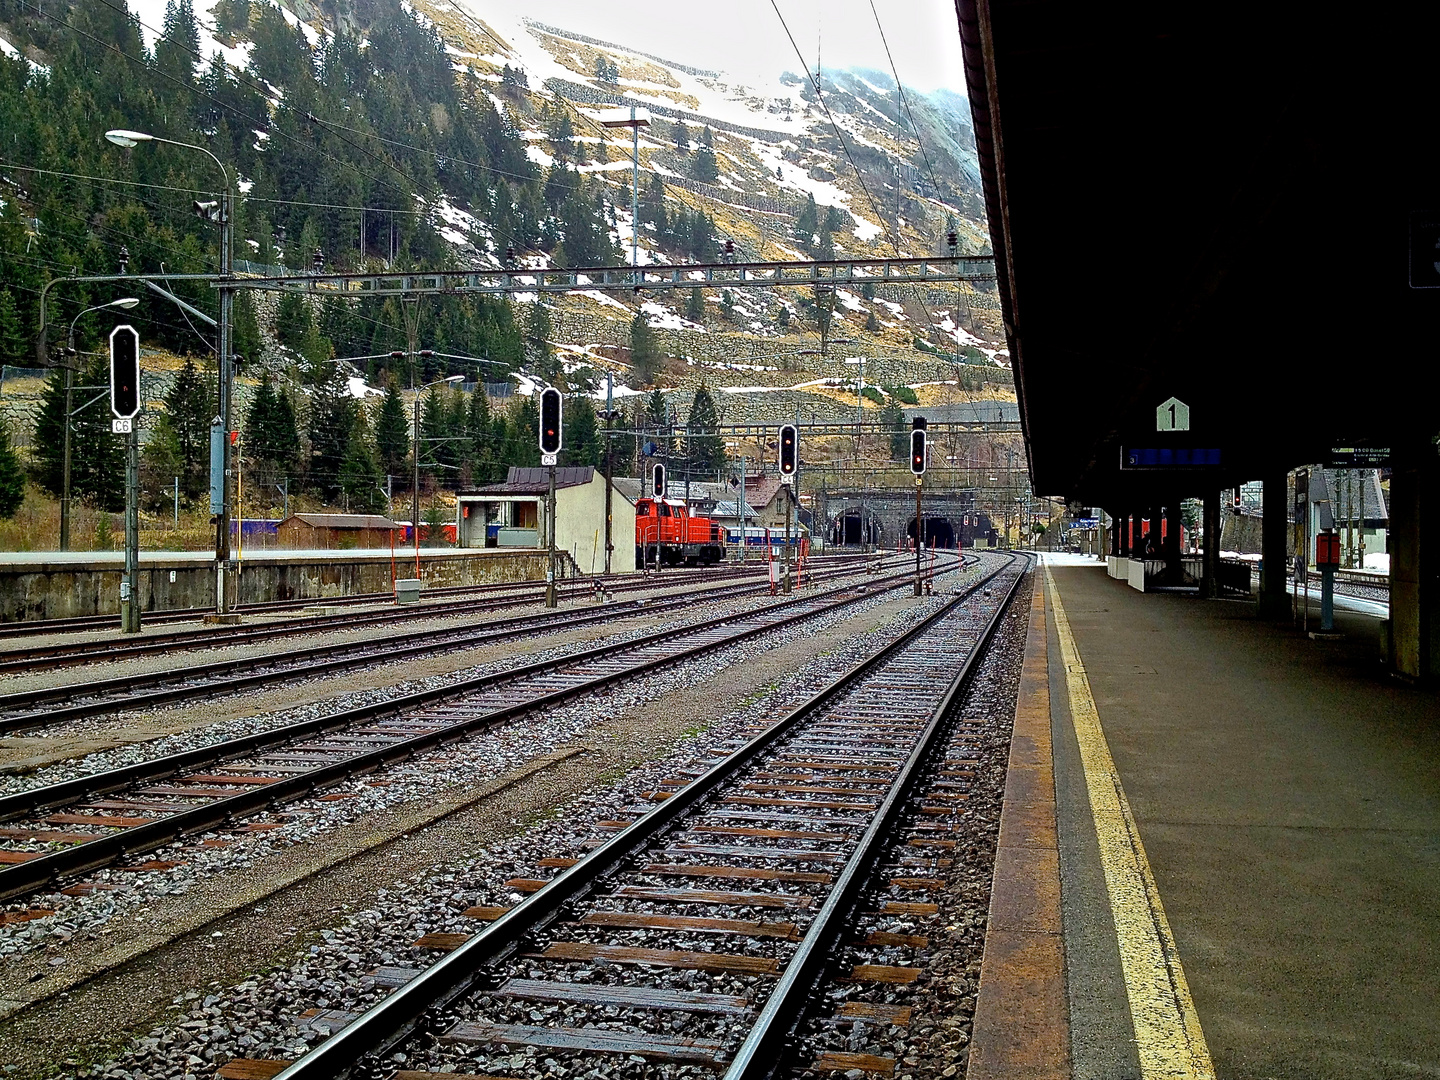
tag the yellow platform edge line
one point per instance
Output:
(1168, 1038)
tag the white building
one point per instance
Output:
(512, 514)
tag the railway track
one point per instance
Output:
(47, 706)
(91, 821)
(747, 876)
(493, 597)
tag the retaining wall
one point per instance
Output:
(55, 586)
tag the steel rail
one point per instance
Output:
(43, 657)
(25, 877)
(357, 1050)
(383, 649)
(452, 594)
(765, 1051)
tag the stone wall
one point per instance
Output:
(169, 581)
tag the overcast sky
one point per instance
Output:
(744, 38)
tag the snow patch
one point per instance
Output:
(662, 318)
(359, 388)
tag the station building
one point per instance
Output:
(511, 514)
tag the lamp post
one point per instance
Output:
(415, 454)
(638, 119)
(224, 216)
(125, 302)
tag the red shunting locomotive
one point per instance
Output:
(667, 534)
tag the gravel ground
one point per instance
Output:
(431, 775)
(936, 1041)
(257, 1016)
(24, 755)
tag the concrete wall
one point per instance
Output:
(54, 587)
(580, 527)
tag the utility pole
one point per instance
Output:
(224, 576)
(550, 598)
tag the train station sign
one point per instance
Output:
(1169, 457)
(1358, 457)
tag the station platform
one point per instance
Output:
(1220, 850)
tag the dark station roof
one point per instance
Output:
(535, 480)
(1213, 203)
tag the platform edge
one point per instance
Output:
(1021, 1027)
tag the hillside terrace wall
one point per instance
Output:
(47, 586)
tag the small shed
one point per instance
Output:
(303, 532)
(512, 514)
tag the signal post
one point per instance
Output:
(789, 458)
(657, 490)
(550, 446)
(125, 405)
(917, 466)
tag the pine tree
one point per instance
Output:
(538, 331)
(359, 471)
(392, 432)
(331, 418)
(656, 417)
(892, 419)
(704, 446)
(178, 45)
(704, 167)
(582, 437)
(695, 307)
(12, 476)
(246, 326)
(189, 409)
(271, 441)
(644, 349)
(479, 429)
(825, 247)
(97, 457)
(808, 221)
(871, 323)
(12, 336)
(727, 305)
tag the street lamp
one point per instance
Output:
(125, 302)
(224, 216)
(415, 454)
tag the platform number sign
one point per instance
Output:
(1172, 415)
(551, 405)
(917, 446)
(124, 372)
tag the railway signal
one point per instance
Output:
(125, 404)
(550, 423)
(917, 446)
(551, 441)
(124, 375)
(917, 466)
(657, 480)
(789, 449)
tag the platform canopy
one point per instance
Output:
(1211, 206)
